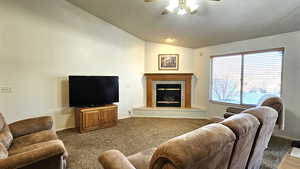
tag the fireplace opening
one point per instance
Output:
(168, 95)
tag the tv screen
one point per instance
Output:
(90, 91)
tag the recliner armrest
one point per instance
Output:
(235, 110)
(29, 126)
(47, 150)
(114, 159)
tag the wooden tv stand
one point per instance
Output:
(87, 119)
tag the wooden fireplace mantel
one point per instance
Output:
(186, 77)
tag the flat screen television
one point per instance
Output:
(91, 91)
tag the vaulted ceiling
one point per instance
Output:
(215, 23)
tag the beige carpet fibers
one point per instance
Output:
(135, 134)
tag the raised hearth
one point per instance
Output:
(169, 89)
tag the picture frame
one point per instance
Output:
(168, 61)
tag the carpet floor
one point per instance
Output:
(135, 134)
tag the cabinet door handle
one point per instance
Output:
(100, 116)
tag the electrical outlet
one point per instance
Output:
(5, 90)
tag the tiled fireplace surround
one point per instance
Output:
(184, 79)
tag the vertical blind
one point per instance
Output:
(245, 78)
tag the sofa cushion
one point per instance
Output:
(3, 152)
(142, 159)
(34, 138)
(29, 126)
(208, 147)
(245, 128)
(267, 117)
(5, 134)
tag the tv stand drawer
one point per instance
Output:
(88, 119)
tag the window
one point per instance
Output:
(244, 78)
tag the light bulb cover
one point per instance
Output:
(181, 11)
(192, 5)
(173, 4)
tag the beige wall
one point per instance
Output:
(291, 74)
(187, 63)
(44, 41)
(152, 50)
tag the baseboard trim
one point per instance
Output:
(124, 117)
(119, 118)
(61, 129)
(169, 117)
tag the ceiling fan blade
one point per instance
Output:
(150, 0)
(194, 12)
(216, 0)
(165, 12)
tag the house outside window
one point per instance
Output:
(244, 78)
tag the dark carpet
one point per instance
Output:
(135, 134)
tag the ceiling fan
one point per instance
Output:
(180, 6)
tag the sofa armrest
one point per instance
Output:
(235, 110)
(227, 114)
(114, 159)
(47, 150)
(29, 126)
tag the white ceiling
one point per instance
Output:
(215, 23)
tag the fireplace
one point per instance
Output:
(168, 89)
(168, 95)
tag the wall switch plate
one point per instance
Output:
(5, 90)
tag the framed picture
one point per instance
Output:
(168, 61)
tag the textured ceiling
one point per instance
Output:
(215, 23)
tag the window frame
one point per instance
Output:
(282, 49)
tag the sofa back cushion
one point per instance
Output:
(245, 127)
(5, 134)
(267, 117)
(208, 147)
(277, 104)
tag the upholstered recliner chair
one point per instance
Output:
(237, 142)
(267, 117)
(30, 144)
(267, 100)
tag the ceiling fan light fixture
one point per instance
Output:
(173, 4)
(181, 7)
(181, 11)
(192, 5)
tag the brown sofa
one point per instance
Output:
(237, 142)
(270, 101)
(30, 144)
